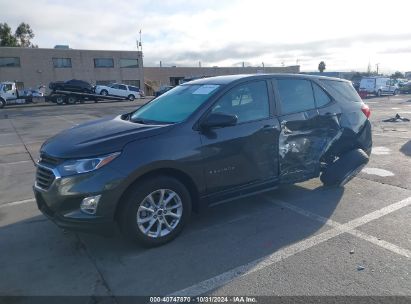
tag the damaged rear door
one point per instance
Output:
(306, 132)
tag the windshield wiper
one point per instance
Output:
(139, 120)
(150, 122)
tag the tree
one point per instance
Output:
(397, 75)
(6, 37)
(321, 66)
(22, 36)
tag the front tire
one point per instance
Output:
(131, 97)
(2, 103)
(104, 93)
(155, 211)
(395, 92)
(60, 100)
(379, 93)
(344, 168)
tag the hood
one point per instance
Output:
(98, 137)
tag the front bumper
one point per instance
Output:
(61, 201)
(80, 222)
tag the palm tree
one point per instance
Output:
(321, 66)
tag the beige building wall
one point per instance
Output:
(36, 66)
(156, 77)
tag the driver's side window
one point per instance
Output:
(248, 102)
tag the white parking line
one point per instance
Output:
(286, 252)
(30, 200)
(15, 163)
(358, 222)
(66, 119)
(390, 135)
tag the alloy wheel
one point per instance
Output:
(159, 213)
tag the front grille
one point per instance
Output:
(44, 177)
(49, 160)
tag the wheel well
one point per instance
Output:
(177, 174)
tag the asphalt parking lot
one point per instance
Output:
(296, 241)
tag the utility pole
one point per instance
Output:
(377, 65)
(140, 44)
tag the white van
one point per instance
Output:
(378, 86)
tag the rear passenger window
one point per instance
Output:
(321, 98)
(248, 102)
(296, 95)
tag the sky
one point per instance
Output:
(347, 35)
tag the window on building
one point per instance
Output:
(62, 62)
(135, 83)
(128, 63)
(248, 102)
(104, 82)
(19, 85)
(9, 62)
(103, 63)
(134, 89)
(296, 95)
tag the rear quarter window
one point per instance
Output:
(341, 90)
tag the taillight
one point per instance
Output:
(366, 110)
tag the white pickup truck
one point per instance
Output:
(10, 95)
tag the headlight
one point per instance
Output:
(77, 166)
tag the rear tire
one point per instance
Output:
(71, 100)
(60, 100)
(395, 92)
(379, 93)
(137, 213)
(345, 168)
(2, 103)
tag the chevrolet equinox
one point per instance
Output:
(205, 141)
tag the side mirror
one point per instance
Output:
(219, 120)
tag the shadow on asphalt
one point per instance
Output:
(217, 240)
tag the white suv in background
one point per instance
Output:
(120, 90)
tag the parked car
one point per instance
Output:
(206, 141)
(73, 85)
(162, 90)
(378, 86)
(120, 90)
(406, 88)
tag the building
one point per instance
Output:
(157, 77)
(32, 67)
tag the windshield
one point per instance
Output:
(175, 105)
